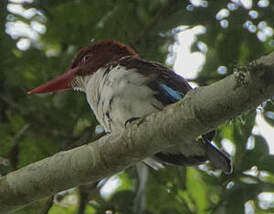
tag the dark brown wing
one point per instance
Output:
(170, 87)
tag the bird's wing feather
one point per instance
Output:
(170, 86)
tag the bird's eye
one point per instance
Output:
(85, 58)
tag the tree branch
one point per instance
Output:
(200, 111)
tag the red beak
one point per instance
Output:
(62, 82)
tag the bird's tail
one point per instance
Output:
(218, 158)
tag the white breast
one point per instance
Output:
(119, 95)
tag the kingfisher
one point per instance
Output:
(121, 87)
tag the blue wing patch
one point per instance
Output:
(175, 94)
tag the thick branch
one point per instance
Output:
(200, 111)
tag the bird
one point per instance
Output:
(121, 87)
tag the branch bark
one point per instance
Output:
(200, 111)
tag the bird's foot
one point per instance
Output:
(131, 120)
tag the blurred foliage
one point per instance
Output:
(39, 43)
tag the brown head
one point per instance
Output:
(87, 61)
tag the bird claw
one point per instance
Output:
(131, 120)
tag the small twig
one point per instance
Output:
(49, 204)
(84, 195)
(15, 147)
